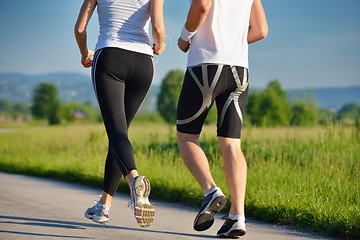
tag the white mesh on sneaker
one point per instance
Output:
(102, 214)
(90, 212)
(98, 213)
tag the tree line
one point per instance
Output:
(269, 107)
(47, 106)
(266, 108)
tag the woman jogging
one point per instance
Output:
(122, 72)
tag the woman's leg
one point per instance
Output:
(120, 88)
(121, 81)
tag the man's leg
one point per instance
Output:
(235, 172)
(195, 160)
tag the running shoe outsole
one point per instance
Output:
(205, 219)
(143, 210)
(233, 234)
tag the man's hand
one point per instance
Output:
(183, 45)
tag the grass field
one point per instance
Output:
(302, 177)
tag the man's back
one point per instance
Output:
(222, 38)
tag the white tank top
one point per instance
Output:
(222, 39)
(124, 24)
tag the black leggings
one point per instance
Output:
(121, 79)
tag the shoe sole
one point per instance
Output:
(143, 211)
(95, 219)
(233, 234)
(89, 216)
(100, 220)
(205, 219)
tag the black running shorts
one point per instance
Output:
(227, 85)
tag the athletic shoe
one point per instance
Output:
(143, 210)
(98, 213)
(232, 228)
(212, 203)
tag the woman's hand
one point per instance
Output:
(159, 48)
(86, 60)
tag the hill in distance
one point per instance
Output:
(17, 87)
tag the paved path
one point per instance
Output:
(36, 208)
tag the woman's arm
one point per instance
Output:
(85, 14)
(258, 28)
(158, 26)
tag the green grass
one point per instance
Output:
(302, 177)
(313, 183)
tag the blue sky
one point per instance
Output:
(311, 43)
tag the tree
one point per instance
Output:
(349, 113)
(326, 116)
(45, 102)
(350, 110)
(270, 107)
(253, 108)
(22, 108)
(169, 95)
(72, 111)
(6, 106)
(54, 118)
(304, 114)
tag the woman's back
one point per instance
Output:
(124, 24)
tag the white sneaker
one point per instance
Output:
(143, 210)
(213, 203)
(98, 213)
(232, 228)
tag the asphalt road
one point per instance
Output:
(36, 208)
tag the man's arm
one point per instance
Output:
(258, 28)
(198, 11)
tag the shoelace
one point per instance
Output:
(96, 201)
(99, 198)
(130, 204)
(202, 201)
(226, 217)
